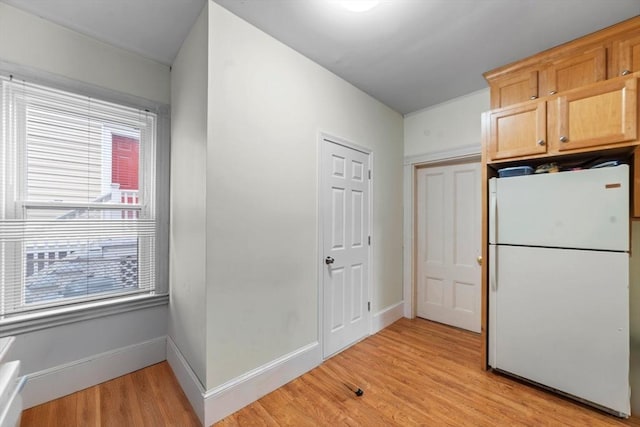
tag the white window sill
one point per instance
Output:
(29, 322)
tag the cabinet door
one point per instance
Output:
(598, 115)
(627, 52)
(574, 71)
(514, 89)
(518, 131)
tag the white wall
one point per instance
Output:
(267, 104)
(63, 358)
(30, 41)
(188, 197)
(447, 126)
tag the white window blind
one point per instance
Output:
(77, 192)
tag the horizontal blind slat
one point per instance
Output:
(56, 156)
(20, 230)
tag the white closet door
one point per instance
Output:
(346, 246)
(448, 242)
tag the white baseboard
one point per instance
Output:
(62, 380)
(215, 404)
(191, 385)
(387, 316)
(245, 389)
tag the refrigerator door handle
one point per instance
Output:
(493, 217)
(493, 265)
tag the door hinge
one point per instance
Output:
(369, 305)
(369, 240)
(369, 173)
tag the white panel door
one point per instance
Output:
(448, 242)
(345, 204)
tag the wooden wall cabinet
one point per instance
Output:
(557, 74)
(513, 89)
(563, 73)
(573, 71)
(598, 116)
(626, 55)
(595, 116)
(605, 54)
(518, 131)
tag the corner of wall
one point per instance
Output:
(187, 379)
(213, 405)
(387, 316)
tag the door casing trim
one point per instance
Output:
(464, 154)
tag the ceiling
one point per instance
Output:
(152, 28)
(409, 54)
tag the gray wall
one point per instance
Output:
(266, 105)
(31, 41)
(188, 198)
(447, 126)
(36, 47)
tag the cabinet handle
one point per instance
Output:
(533, 97)
(541, 142)
(564, 139)
(552, 92)
(626, 72)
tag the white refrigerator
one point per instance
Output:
(559, 282)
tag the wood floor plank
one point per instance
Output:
(146, 398)
(254, 415)
(413, 373)
(52, 414)
(118, 403)
(88, 407)
(149, 397)
(175, 407)
(420, 373)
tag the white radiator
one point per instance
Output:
(10, 387)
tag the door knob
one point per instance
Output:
(540, 142)
(479, 260)
(328, 260)
(564, 139)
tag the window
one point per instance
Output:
(77, 199)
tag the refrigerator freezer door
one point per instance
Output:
(587, 209)
(561, 319)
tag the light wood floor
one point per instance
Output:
(148, 397)
(413, 373)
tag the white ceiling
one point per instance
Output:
(409, 54)
(152, 28)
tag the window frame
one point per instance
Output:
(65, 311)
